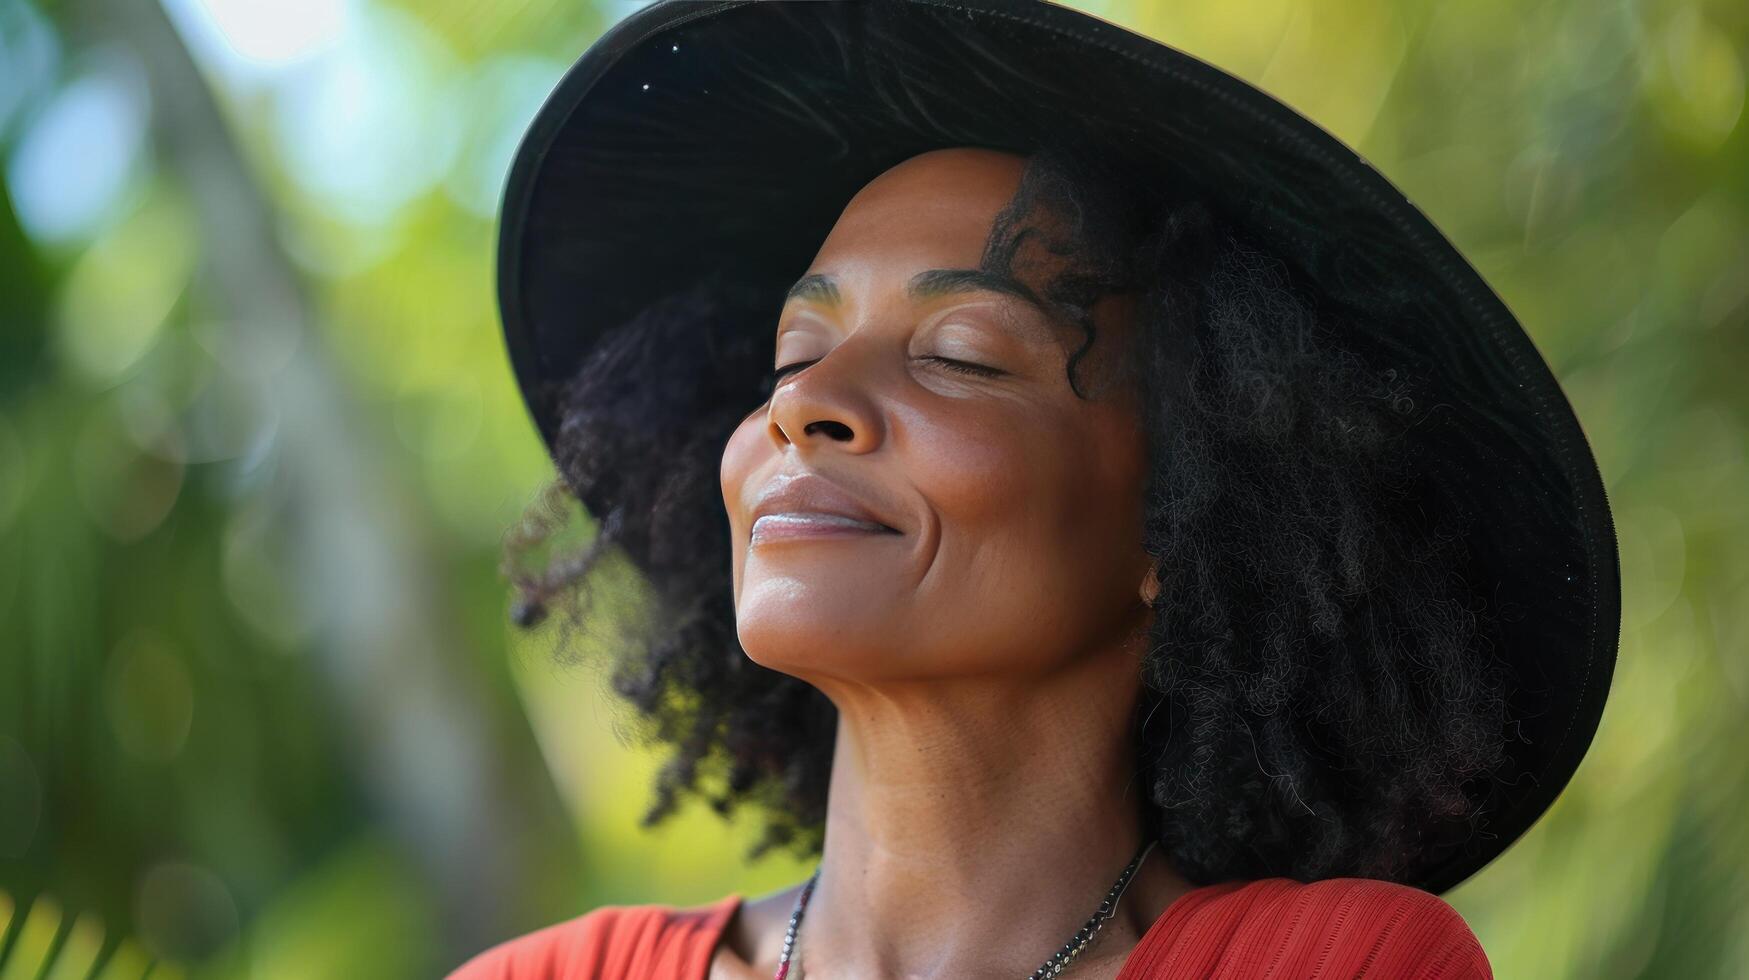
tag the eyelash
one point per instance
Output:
(961, 367)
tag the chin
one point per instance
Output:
(817, 649)
(795, 646)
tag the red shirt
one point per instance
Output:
(1270, 928)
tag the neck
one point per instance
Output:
(974, 826)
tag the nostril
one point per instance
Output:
(837, 430)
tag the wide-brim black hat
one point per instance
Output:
(725, 136)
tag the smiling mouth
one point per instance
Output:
(779, 526)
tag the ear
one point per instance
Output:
(1150, 586)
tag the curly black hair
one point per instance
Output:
(1318, 689)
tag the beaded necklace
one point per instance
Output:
(1059, 960)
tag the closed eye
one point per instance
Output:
(768, 381)
(962, 367)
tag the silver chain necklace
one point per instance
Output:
(1059, 960)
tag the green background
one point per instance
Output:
(261, 711)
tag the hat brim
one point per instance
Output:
(705, 136)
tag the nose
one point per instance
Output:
(831, 402)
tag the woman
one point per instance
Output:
(1089, 579)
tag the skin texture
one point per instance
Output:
(984, 661)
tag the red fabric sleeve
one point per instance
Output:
(632, 942)
(1333, 929)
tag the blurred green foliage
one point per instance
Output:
(261, 713)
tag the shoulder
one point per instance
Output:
(658, 942)
(1336, 927)
(1406, 931)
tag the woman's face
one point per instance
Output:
(1015, 506)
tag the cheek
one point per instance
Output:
(1039, 520)
(742, 454)
(1010, 504)
(1044, 477)
(986, 482)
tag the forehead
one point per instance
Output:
(934, 210)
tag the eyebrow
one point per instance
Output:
(924, 285)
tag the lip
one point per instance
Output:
(809, 505)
